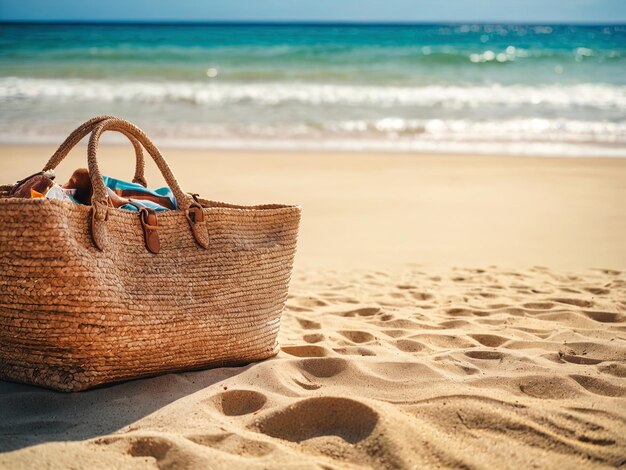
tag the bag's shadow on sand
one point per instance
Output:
(33, 415)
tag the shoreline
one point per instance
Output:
(293, 147)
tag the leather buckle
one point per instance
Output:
(195, 217)
(195, 214)
(149, 223)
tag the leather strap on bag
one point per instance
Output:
(150, 222)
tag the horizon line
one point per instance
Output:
(158, 22)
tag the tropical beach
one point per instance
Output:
(458, 296)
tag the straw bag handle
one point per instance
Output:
(99, 201)
(84, 129)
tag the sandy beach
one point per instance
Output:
(379, 211)
(445, 311)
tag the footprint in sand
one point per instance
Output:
(599, 386)
(459, 312)
(323, 367)
(357, 336)
(317, 417)
(539, 305)
(313, 338)
(486, 355)
(239, 402)
(491, 341)
(452, 324)
(150, 446)
(308, 324)
(606, 317)
(408, 345)
(580, 360)
(575, 302)
(307, 350)
(550, 388)
(598, 290)
(422, 296)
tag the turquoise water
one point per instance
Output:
(492, 88)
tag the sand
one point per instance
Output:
(445, 311)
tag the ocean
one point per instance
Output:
(463, 88)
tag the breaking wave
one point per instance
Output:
(600, 96)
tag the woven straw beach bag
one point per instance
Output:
(91, 294)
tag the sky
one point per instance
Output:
(520, 11)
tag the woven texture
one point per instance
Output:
(81, 131)
(74, 314)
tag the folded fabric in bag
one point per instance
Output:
(160, 199)
(79, 190)
(84, 301)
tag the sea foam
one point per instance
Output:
(274, 93)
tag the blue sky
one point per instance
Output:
(597, 11)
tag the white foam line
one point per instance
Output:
(202, 93)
